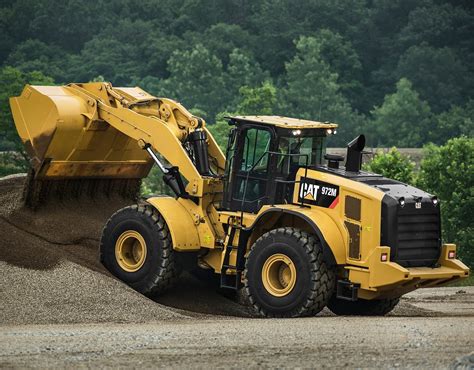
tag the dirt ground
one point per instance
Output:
(60, 308)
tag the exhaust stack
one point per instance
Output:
(354, 154)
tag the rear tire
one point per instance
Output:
(136, 247)
(286, 276)
(362, 307)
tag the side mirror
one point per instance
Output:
(354, 154)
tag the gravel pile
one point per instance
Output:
(49, 266)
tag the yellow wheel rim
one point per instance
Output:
(130, 251)
(279, 275)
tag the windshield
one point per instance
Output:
(299, 150)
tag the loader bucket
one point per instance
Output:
(72, 151)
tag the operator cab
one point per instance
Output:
(263, 155)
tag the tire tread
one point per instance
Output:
(323, 278)
(166, 273)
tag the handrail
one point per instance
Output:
(282, 181)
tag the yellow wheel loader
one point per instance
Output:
(275, 216)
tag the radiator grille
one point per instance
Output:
(419, 237)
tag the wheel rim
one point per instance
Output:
(279, 275)
(130, 251)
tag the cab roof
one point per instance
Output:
(284, 122)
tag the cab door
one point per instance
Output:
(250, 172)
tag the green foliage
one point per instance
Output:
(11, 163)
(437, 74)
(12, 82)
(469, 281)
(439, 24)
(312, 90)
(221, 39)
(257, 101)
(242, 70)
(220, 130)
(107, 57)
(253, 101)
(153, 184)
(393, 165)
(342, 59)
(402, 120)
(196, 80)
(448, 172)
(35, 55)
(330, 60)
(457, 121)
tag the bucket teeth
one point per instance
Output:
(38, 192)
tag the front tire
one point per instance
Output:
(286, 276)
(136, 247)
(362, 307)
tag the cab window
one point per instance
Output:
(256, 144)
(298, 151)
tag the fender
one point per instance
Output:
(184, 233)
(320, 224)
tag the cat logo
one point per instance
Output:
(318, 193)
(309, 189)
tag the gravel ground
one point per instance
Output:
(60, 308)
(331, 342)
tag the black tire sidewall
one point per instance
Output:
(299, 294)
(130, 219)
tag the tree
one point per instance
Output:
(157, 50)
(68, 24)
(220, 130)
(448, 172)
(456, 122)
(257, 101)
(393, 165)
(312, 90)
(439, 25)
(116, 61)
(35, 55)
(379, 47)
(342, 59)
(403, 119)
(437, 74)
(280, 22)
(221, 39)
(196, 79)
(242, 70)
(153, 184)
(253, 101)
(7, 42)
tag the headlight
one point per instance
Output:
(401, 201)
